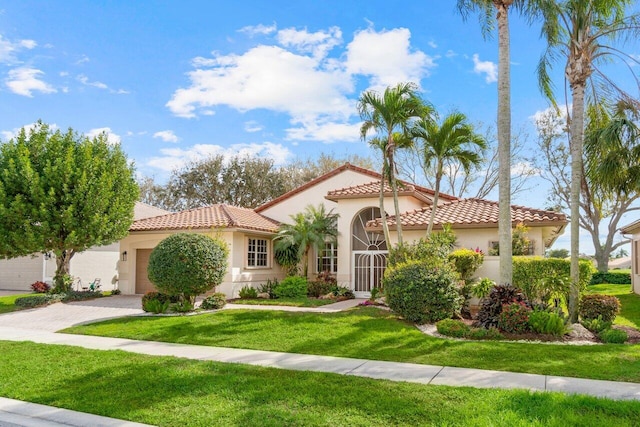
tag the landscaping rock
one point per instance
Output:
(579, 332)
(263, 295)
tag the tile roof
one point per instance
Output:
(144, 210)
(470, 213)
(372, 189)
(214, 216)
(630, 228)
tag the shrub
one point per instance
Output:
(183, 306)
(514, 318)
(80, 295)
(596, 325)
(422, 291)
(484, 334)
(342, 292)
(36, 300)
(612, 277)
(188, 264)
(433, 249)
(292, 287)
(269, 288)
(40, 287)
(155, 306)
(116, 292)
(613, 336)
(453, 328)
(322, 285)
(248, 292)
(214, 302)
(482, 288)
(491, 306)
(594, 306)
(157, 296)
(466, 262)
(544, 322)
(543, 278)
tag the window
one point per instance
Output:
(257, 252)
(328, 259)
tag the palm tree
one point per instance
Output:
(577, 31)
(387, 114)
(501, 8)
(310, 229)
(446, 143)
(381, 144)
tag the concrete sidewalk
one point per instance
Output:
(394, 371)
(15, 413)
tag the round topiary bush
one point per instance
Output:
(187, 265)
(422, 292)
(292, 287)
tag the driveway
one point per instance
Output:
(63, 315)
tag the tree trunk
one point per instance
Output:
(394, 189)
(383, 213)
(577, 132)
(504, 145)
(63, 267)
(602, 260)
(435, 199)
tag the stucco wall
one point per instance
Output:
(20, 273)
(238, 274)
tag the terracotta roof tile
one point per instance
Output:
(372, 189)
(470, 213)
(214, 216)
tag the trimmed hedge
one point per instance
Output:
(292, 287)
(543, 278)
(466, 262)
(611, 277)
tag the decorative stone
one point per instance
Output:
(264, 295)
(579, 332)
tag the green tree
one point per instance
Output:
(63, 193)
(558, 253)
(582, 34)
(452, 141)
(310, 229)
(388, 114)
(487, 9)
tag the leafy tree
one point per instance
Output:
(501, 8)
(389, 114)
(301, 171)
(451, 141)
(579, 32)
(558, 253)
(63, 193)
(310, 229)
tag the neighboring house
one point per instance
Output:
(100, 262)
(620, 263)
(632, 232)
(359, 258)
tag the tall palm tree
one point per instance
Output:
(381, 144)
(487, 8)
(444, 143)
(577, 32)
(387, 114)
(311, 229)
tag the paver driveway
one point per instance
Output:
(59, 316)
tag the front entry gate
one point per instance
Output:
(368, 268)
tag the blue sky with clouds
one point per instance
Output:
(177, 81)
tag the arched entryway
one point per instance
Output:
(368, 252)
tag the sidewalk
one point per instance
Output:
(393, 371)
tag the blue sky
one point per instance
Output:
(177, 81)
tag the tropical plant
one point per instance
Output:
(248, 291)
(214, 302)
(389, 114)
(454, 140)
(578, 31)
(311, 229)
(63, 193)
(292, 287)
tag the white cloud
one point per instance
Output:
(488, 68)
(9, 134)
(8, 49)
(326, 132)
(252, 126)
(112, 138)
(83, 60)
(24, 81)
(252, 30)
(85, 81)
(173, 158)
(318, 43)
(28, 44)
(432, 44)
(166, 136)
(387, 57)
(450, 54)
(557, 117)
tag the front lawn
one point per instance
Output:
(7, 303)
(371, 333)
(293, 302)
(168, 391)
(630, 303)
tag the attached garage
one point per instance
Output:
(143, 284)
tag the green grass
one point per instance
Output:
(629, 302)
(371, 333)
(293, 302)
(7, 304)
(167, 391)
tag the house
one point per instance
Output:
(632, 232)
(98, 262)
(359, 258)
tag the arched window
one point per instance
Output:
(362, 240)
